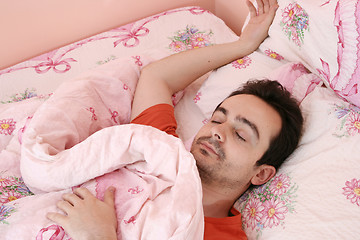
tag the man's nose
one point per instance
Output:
(218, 132)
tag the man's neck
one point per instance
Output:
(216, 204)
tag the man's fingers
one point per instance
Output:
(109, 197)
(252, 9)
(273, 3)
(260, 6)
(266, 6)
(64, 206)
(83, 193)
(57, 217)
(272, 11)
(71, 198)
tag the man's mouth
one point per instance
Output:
(209, 148)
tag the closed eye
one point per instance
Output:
(240, 137)
(216, 122)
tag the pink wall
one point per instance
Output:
(31, 27)
(233, 12)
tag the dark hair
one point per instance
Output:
(274, 94)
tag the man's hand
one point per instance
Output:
(260, 20)
(86, 216)
(161, 79)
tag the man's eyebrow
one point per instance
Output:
(221, 109)
(250, 124)
(241, 119)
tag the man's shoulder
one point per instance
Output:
(160, 116)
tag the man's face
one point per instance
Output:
(236, 137)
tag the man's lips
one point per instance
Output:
(209, 147)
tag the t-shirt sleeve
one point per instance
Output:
(160, 116)
(229, 228)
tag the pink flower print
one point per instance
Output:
(9, 196)
(59, 66)
(129, 36)
(290, 12)
(205, 121)
(295, 20)
(23, 129)
(131, 220)
(198, 11)
(176, 97)
(7, 126)
(295, 38)
(353, 123)
(274, 211)
(92, 110)
(280, 184)
(7, 181)
(199, 40)
(138, 61)
(197, 97)
(114, 114)
(241, 63)
(5, 212)
(177, 46)
(273, 55)
(22, 96)
(189, 38)
(135, 190)
(325, 3)
(58, 234)
(352, 191)
(253, 212)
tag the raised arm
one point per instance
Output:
(161, 79)
(87, 216)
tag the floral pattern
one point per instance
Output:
(109, 59)
(12, 188)
(197, 97)
(242, 62)
(294, 22)
(352, 191)
(350, 120)
(267, 206)
(21, 96)
(18, 97)
(92, 111)
(58, 233)
(5, 212)
(190, 38)
(7, 126)
(273, 54)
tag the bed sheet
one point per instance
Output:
(88, 145)
(77, 111)
(316, 193)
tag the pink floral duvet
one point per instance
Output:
(80, 137)
(313, 49)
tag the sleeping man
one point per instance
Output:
(246, 140)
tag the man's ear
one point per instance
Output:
(264, 173)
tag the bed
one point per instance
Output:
(313, 49)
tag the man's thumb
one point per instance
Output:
(109, 196)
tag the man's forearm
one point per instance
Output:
(161, 79)
(180, 70)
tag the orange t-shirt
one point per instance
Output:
(162, 117)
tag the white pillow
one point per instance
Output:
(226, 79)
(316, 193)
(325, 37)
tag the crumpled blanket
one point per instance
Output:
(80, 137)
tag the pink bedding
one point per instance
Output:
(77, 138)
(313, 49)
